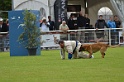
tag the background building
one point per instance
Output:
(91, 7)
(41, 5)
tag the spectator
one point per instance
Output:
(81, 21)
(81, 25)
(7, 37)
(7, 22)
(111, 24)
(117, 22)
(87, 21)
(51, 27)
(118, 25)
(3, 28)
(87, 26)
(100, 24)
(71, 23)
(64, 27)
(44, 25)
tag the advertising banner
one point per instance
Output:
(60, 10)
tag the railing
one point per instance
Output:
(4, 41)
(111, 36)
(50, 39)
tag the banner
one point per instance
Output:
(60, 11)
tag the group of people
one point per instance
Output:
(71, 24)
(46, 26)
(72, 47)
(83, 22)
(113, 22)
(4, 27)
(78, 22)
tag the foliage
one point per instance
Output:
(5, 5)
(30, 37)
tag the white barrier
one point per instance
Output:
(4, 41)
(84, 36)
(49, 39)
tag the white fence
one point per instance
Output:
(4, 41)
(112, 36)
(50, 39)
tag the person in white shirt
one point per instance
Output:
(44, 25)
(72, 48)
(64, 28)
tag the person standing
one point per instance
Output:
(81, 21)
(87, 21)
(7, 22)
(117, 22)
(81, 25)
(118, 25)
(87, 26)
(111, 24)
(52, 26)
(3, 28)
(71, 24)
(100, 24)
(64, 28)
(44, 25)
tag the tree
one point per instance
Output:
(5, 6)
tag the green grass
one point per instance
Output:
(50, 68)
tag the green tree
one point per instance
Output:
(5, 6)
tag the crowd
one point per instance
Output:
(4, 27)
(74, 22)
(81, 21)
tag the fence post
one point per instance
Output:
(68, 36)
(109, 36)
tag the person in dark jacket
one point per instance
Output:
(87, 26)
(71, 24)
(118, 25)
(3, 28)
(81, 21)
(117, 22)
(100, 24)
(87, 21)
(52, 26)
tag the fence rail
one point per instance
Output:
(4, 41)
(112, 36)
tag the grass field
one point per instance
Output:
(50, 68)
